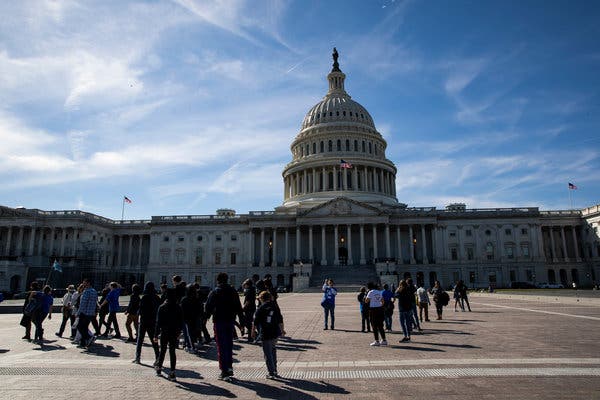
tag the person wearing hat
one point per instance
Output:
(67, 310)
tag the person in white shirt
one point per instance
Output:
(67, 310)
(424, 303)
(375, 301)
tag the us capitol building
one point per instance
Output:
(340, 218)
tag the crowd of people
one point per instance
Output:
(177, 312)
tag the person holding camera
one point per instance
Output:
(328, 302)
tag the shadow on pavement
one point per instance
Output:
(101, 350)
(51, 347)
(405, 347)
(443, 331)
(316, 387)
(460, 346)
(205, 389)
(2, 351)
(290, 391)
(287, 339)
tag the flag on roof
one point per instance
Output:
(572, 187)
(126, 199)
(345, 164)
(56, 266)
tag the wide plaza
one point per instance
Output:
(509, 346)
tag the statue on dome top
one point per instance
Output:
(336, 66)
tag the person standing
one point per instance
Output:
(169, 320)
(375, 302)
(404, 296)
(86, 312)
(249, 306)
(132, 312)
(149, 303)
(388, 308)
(269, 321)
(26, 318)
(328, 302)
(414, 320)
(464, 297)
(67, 310)
(456, 295)
(424, 303)
(364, 309)
(223, 304)
(440, 298)
(112, 299)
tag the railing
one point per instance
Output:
(194, 217)
(475, 210)
(572, 213)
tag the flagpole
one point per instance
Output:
(49, 275)
(123, 209)
(570, 198)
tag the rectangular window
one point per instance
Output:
(180, 239)
(513, 275)
(199, 256)
(470, 253)
(198, 279)
(180, 256)
(454, 253)
(508, 232)
(233, 238)
(509, 252)
(217, 258)
(469, 233)
(524, 231)
(163, 279)
(218, 238)
(233, 259)
(452, 233)
(164, 256)
(525, 251)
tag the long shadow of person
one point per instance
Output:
(313, 386)
(205, 389)
(101, 350)
(272, 391)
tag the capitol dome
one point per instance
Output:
(338, 153)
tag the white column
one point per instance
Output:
(424, 246)
(310, 244)
(349, 243)
(298, 255)
(399, 243)
(434, 242)
(325, 183)
(31, 241)
(19, 247)
(375, 255)
(287, 248)
(51, 248)
(355, 178)
(274, 262)
(573, 230)
(387, 241)
(335, 180)
(459, 232)
(75, 242)
(118, 244)
(8, 239)
(553, 249)
(63, 237)
(261, 262)
(336, 259)
(305, 182)
(412, 245)
(362, 245)
(564, 243)
(250, 248)
(314, 180)
(323, 248)
(40, 251)
(129, 251)
(382, 186)
(141, 242)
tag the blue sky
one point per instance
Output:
(188, 106)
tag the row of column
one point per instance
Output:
(127, 240)
(563, 243)
(26, 245)
(336, 240)
(334, 178)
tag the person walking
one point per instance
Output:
(464, 297)
(440, 298)
(102, 311)
(404, 296)
(88, 304)
(42, 310)
(169, 320)
(328, 302)
(424, 303)
(414, 320)
(67, 310)
(112, 299)
(456, 296)
(269, 322)
(26, 318)
(249, 306)
(149, 303)
(223, 304)
(191, 307)
(374, 300)
(132, 312)
(364, 310)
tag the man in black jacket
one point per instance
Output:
(224, 305)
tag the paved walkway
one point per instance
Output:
(505, 348)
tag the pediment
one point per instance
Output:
(342, 206)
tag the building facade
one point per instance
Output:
(339, 218)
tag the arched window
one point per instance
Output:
(370, 148)
(363, 146)
(307, 149)
(330, 146)
(301, 151)
(375, 149)
(356, 145)
(489, 251)
(314, 148)
(347, 145)
(338, 145)
(322, 146)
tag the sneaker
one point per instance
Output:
(332, 328)
(224, 376)
(270, 376)
(325, 328)
(117, 337)
(136, 361)
(130, 339)
(58, 334)
(404, 339)
(383, 343)
(375, 343)
(230, 372)
(158, 370)
(172, 377)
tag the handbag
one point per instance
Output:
(31, 307)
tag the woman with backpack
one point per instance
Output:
(440, 298)
(269, 322)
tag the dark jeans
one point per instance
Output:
(224, 339)
(66, 316)
(406, 322)
(415, 316)
(101, 322)
(329, 310)
(465, 299)
(376, 315)
(439, 308)
(38, 319)
(270, 352)
(83, 325)
(171, 341)
(424, 307)
(112, 319)
(142, 330)
(366, 320)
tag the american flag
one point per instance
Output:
(345, 164)
(572, 187)
(126, 199)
